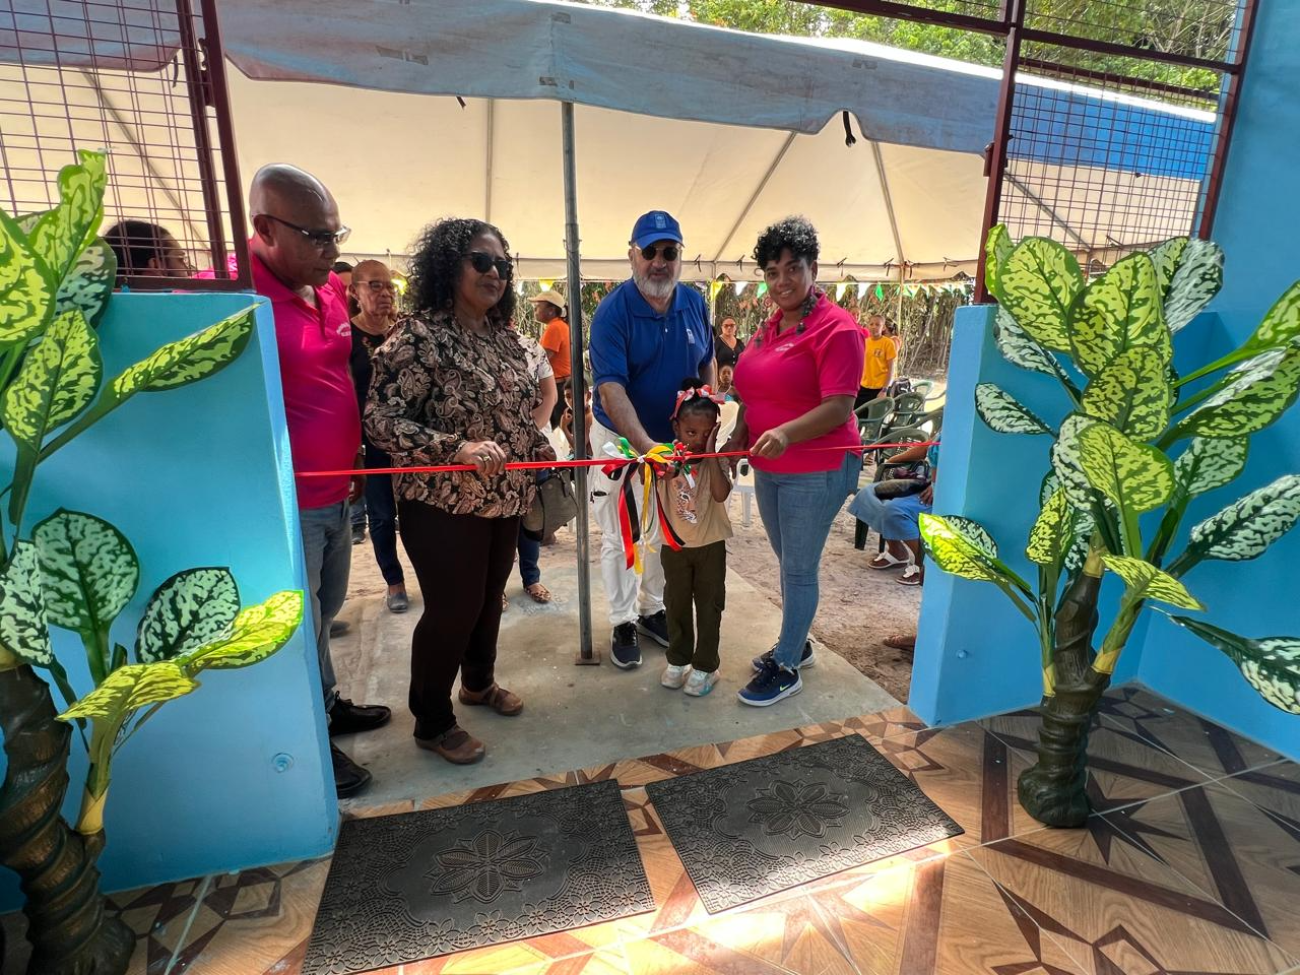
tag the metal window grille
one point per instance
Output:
(143, 80)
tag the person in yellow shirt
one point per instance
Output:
(878, 367)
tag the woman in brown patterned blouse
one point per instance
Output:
(452, 385)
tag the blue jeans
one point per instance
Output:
(798, 511)
(327, 549)
(530, 551)
(381, 508)
(897, 519)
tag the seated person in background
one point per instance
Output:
(893, 508)
(145, 250)
(724, 383)
(566, 419)
(344, 270)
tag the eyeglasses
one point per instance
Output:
(482, 263)
(320, 239)
(379, 286)
(669, 251)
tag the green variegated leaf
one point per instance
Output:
(1118, 311)
(190, 609)
(1133, 476)
(1281, 323)
(1037, 284)
(130, 688)
(1166, 257)
(1210, 463)
(1247, 527)
(1198, 276)
(997, 248)
(89, 571)
(1084, 525)
(60, 234)
(25, 287)
(1020, 350)
(189, 359)
(1256, 394)
(953, 552)
(1270, 664)
(1000, 410)
(974, 533)
(1051, 484)
(90, 282)
(257, 633)
(22, 608)
(57, 381)
(1067, 463)
(1145, 581)
(1131, 394)
(1052, 532)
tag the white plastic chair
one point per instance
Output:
(744, 486)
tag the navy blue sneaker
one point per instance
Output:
(624, 647)
(805, 658)
(655, 627)
(771, 684)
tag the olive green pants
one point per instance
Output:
(695, 593)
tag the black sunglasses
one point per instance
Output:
(320, 238)
(669, 251)
(482, 263)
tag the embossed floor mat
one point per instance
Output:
(748, 830)
(407, 887)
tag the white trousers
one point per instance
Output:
(629, 595)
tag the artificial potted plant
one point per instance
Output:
(1136, 446)
(77, 572)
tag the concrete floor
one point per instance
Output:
(573, 716)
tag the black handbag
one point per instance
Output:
(553, 507)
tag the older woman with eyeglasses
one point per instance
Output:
(452, 385)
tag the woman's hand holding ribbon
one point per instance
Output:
(486, 456)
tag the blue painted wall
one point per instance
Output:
(975, 654)
(1256, 224)
(235, 774)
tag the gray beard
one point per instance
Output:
(652, 289)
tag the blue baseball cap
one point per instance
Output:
(654, 226)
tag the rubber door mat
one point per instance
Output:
(412, 886)
(748, 830)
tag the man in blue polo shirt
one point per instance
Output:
(648, 335)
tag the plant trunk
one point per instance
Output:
(68, 928)
(1053, 790)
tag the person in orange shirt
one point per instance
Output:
(878, 366)
(549, 309)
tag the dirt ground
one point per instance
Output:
(859, 608)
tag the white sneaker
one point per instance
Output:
(675, 676)
(700, 683)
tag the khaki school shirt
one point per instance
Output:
(694, 515)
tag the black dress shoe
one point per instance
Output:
(349, 777)
(347, 718)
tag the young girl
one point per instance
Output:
(693, 503)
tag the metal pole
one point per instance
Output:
(578, 380)
(996, 164)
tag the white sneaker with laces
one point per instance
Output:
(700, 683)
(675, 676)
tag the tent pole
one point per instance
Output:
(578, 379)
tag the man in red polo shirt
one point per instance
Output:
(294, 246)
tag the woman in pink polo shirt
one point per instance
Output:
(796, 383)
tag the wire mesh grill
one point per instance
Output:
(143, 80)
(1202, 29)
(1105, 164)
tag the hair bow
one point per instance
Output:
(696, 392)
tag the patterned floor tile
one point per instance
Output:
(1141, 714)
(1123, 764)
(968, 773)
(1127, 916)
(1243, 852)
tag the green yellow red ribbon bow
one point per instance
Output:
(661, 460)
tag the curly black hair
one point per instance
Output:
(794, 234)
(438, 263)
(701, 404)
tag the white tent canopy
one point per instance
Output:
(726, 130)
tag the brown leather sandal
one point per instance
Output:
(456, 745)
(495, 697)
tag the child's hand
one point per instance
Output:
(711, 445)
